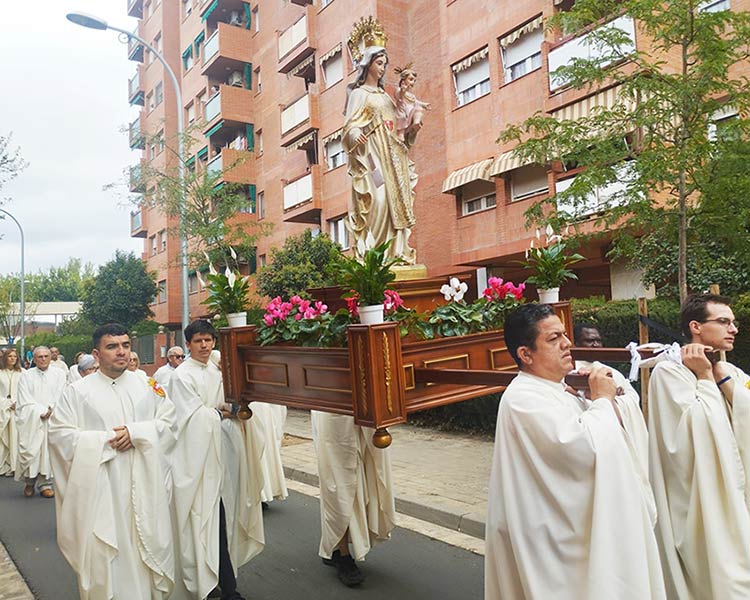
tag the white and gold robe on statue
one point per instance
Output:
(113, 520)
(699, 469)
(356, 489)
(38, 391)
(214, 460)
(272, 418)
(8, 432)
(570, 514)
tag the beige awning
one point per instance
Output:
(302, 66)
(515, 35)
(331, 53)
(464, 175)
(470, 60)
(336, 135)
(605, 99)
(301, 142)
(507, 161)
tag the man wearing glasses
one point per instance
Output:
(175, 356)
(699, 426)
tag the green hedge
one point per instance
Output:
(69, 345)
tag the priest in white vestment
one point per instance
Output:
(175, 356)
(357, 507)
(110, 441)
(699, 423)
(39, 390)
(217, 476)
(10, 375)
(271, 417)
(570, 514)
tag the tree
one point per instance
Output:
(60, 284)
(303, 262)
(11, 163)
(657, 138)
(121, 291)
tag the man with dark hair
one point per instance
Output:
(570, 515)
(586, 335)
(699, 425)
(110, 439)
(217, 475)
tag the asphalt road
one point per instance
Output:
(410, 566)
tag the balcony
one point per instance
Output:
(585, 47)
(135, 135)
(299, 119)
(138, 224)
(135, 49)
(302, 198)
(228, 50)
(137, 183)
(231, 166)
(232, 105)
(135, 8)
(297, 42)
(136, 96)
(234, 12)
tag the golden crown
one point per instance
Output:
(366, 32)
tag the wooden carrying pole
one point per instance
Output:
(643, 339)
(714, 289)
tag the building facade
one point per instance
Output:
(266, 82)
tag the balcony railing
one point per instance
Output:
(135, 8)
(296, 113)
(585, 47)
(293, 36)
(298, 191)
(211, 47)
(135, 93)
(215, 166)
(136, 179)
(135, 136)
(213, 107)
(137, 224)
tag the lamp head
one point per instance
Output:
(85, 20)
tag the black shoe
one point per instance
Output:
(346, 569)
(233, 596)
(264, 505)
(214, 593)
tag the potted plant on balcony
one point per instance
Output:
(227, 293)
(368, 282)
(550, 264)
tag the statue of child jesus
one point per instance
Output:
(409, 109)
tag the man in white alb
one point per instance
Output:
(57, 361)
(175, 356)
(39, 390)
(570, 514)
(217, 477)
(110, 441)
(699, 425)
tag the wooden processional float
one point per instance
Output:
(380, 378)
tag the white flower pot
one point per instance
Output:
(549, 296)
(371, 315)
(238, 319)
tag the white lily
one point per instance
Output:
(538, 235)
(549, 231)
(231, 277)
(210, 264)
(200, 279)
(232, 253)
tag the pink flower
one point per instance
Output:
(269, 319)
(321, 308)
(392, 301)
(351, 305)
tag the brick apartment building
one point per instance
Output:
(267, 78)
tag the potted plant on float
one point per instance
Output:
(550, 264)
(227, 293)
(368, 281)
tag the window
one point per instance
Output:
(259, 141)
(522, 51)
(472, 205)
(190, 113)
(324, 3)
(338, 232)
(147, 10)
(335, 155)
(528, 181)
(163, 240)
(262, 260)
(154, 246)
(160, 140)
(602, 197)
(257, 80)
(472, 77)
(158, 94)
(187, 7)
(150, 101)
(256, 18)
(157, 42)
(200, 105)
(333, 69)
(192, 283)
(720, 126)
(162, 291)
(714, 6)
(261, 205)
(187, 58)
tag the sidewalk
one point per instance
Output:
(438, 477)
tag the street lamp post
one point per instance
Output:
(96, 23)
(23, 282)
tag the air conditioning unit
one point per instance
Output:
(235, 18)
(235, 79)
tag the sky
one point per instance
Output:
(64, 98)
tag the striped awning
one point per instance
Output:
(301, 142)
(302, 66)
(507, 161)
(464, 175)
(331, 53)
(470, 60)
(605, 99)
(336, 135)
(514, 36)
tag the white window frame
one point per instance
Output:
(331, 76)
(158, 94)
(335, 154)
(163, 240)
(599, 200)
(261, 198)
(256, 19)
(338, 232)
(475, 89)
(521, 54)
(258, 84)
(486, 202)
(529, 193)
(711, 6)
(161, 297)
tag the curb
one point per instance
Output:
(467, 523)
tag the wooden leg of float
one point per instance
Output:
(244, 413)
(381, 438)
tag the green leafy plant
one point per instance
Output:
(370, 278)
(550, 263)
(303, 323)
(227, 291)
